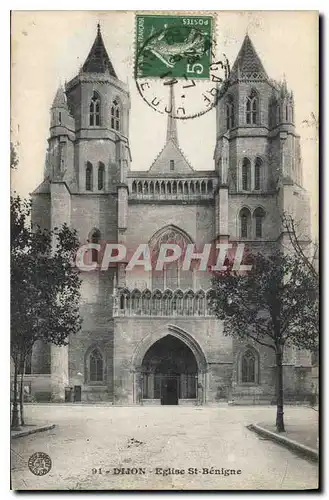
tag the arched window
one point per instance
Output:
(172, 275)
(101, 171)
(146, 301)
(115, 115)
(95, 238)
(245, 223)
(200, 303)
(167, 303)
(95, 110)
(89, 176)
(156, 303)
(249, 367)
(229, 113)
(259, 215)
(96, 368)
(177, 302)
(246, 174)
(125, 300)
(252, 108)
(258, 171)
(189, 303)
(136, 302)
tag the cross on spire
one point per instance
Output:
(171, 122)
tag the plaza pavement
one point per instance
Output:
(202, 439)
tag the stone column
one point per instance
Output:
(139, 387)
(151, 385)
(200, 389)
(59, 372)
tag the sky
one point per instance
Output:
(48, 48)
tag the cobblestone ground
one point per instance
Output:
(102, 438)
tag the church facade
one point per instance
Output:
(150, 337)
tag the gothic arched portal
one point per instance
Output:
(170, 368)
(169, 371)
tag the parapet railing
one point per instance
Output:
(172, 189)
(170, 303)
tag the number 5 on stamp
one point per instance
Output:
(174, 45)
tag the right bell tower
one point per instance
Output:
(257, 155)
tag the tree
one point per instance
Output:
(275, 304)
(291, 227)
(44, 289)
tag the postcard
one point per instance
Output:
(164, 250)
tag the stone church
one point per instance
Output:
(150, 337)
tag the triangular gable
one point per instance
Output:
(170, 152)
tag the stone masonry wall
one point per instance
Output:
(129, 332)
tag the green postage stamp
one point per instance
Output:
(177, 46)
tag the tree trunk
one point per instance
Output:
(279, 390)
(15, 415)
(21, 394)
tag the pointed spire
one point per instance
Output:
(284, 88)
(171, 123)
(60, 98)
(247, 60)
(98, 60)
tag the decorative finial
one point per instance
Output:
(98, 28)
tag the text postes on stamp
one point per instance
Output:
(173, 45)
(39, 463)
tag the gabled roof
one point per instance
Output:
(98, 60)
(247, 60)
(170, 152)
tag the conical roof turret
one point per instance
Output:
(248, 61)
(98, 60)
(60, 98)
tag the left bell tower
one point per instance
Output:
(85, 187)
(99, 103)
